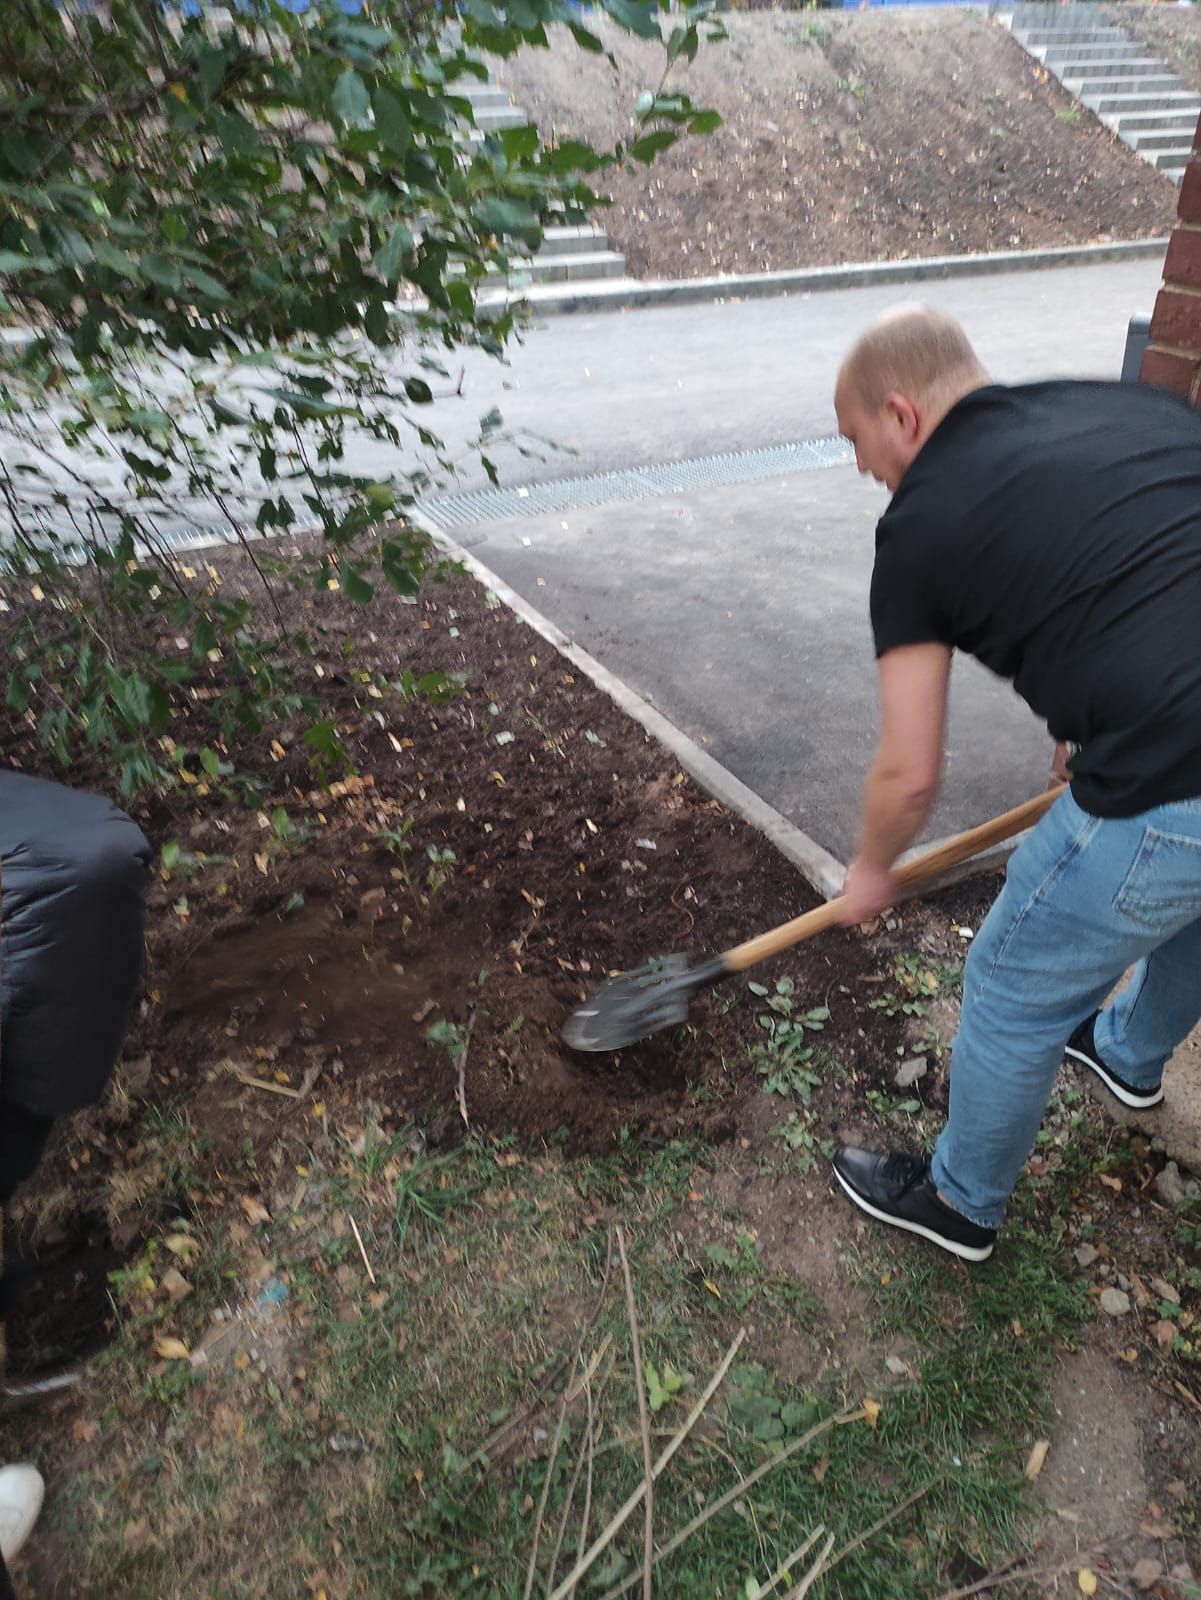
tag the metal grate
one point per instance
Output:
(637, 483)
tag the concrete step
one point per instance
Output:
(489, 118)
(1092, 88)
(1127, 123)
(573, 241)
(1147, 68)
(584, 267)
(1177, 137)
(1051, 55)
(1105, 104)
(482, 94)
(1055, 37)
(1175, 173)
(1173, 159)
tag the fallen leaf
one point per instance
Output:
(168, 1349)
(822, 1467)
(1157, 1528)
(1165, 1333)
(1034, 1464)
(1146, 1572)
(255, 1210)
(84, 1430)
(175, 1285)
(1087, 1580)
(182, 1245)
(1110, 1183)
(871, 1412)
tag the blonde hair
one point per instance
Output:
(921, 352)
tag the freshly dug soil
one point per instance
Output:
(570, 847)
(847, 137)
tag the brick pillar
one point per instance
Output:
(1173, 357)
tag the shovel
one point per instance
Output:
(657, 995)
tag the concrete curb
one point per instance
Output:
(626, 294)
(818, 866)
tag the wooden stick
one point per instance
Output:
(881, 1522)
(648, 1541)
(740, 1488)
(814, 1573)
(545, 1496)
(618, 1521)
(461, 1086)
(789, 1562)
(271, 1088)
(358, 1238)
(1011, 1572)
(910, 876)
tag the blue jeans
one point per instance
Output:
(1085, 898)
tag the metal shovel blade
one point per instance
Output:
(639, 1003)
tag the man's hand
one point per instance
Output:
(866, 891)
(1061, 771)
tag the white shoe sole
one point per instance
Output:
(21, 1493)
(1128, 1097)
(965, 1252)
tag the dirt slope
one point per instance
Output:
(852, 137)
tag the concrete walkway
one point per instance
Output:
(741, 610)
(627, 389)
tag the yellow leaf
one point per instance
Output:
(712, 1287)
(871, 1412)
(181, 1244)
(178, 90)
(171, 1349)
(1037, 1456)
(1111, 1183)
(1087, 1579)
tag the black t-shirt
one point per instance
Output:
(1053, 530)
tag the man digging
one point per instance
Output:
(1052, 530)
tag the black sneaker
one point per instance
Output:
(1081, 1048)
(897, 1189)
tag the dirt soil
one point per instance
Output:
(847, 137)
(322, 958)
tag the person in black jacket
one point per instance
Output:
(1053, 531)
(73, 872)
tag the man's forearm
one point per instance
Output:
(893, 814)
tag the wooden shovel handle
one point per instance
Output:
(913, 875)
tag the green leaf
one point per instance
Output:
(519, 143)
(509, 219)
(585, 39)
(350, 99)
(652, 144)
(170, 854)
(391, 121)
(356, 587)
(705, 122)
(390, 256)
(418, 391)
(640, 18)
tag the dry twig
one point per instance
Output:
(461, 1063)
(648, 1541)
(814, 1572)
(621, 1517)
(545, 1496)
(358, 1239)
(740, 1488)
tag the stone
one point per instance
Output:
(1170, 1186)
(910, 1072)
(1085, 1254)
(1115, 1302)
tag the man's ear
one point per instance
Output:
(900, 409)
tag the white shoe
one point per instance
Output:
(21, 1491)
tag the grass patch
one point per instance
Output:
(345, 1437)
